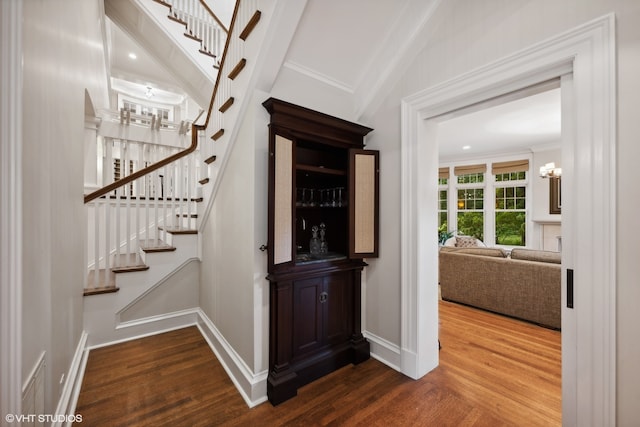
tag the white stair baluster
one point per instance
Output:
(127, 188)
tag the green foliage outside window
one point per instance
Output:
(510, 215)
(471, 178)
(471, 224)
(512, 176)
(510, 228)
(510, 208)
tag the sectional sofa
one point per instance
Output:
(525, 284)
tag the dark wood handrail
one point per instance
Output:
(215, 17)
(194, 132)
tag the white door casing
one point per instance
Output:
(584, 58)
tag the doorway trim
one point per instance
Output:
(587, 53)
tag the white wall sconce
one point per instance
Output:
(550, 171)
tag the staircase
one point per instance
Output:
(200, 24)
(157, 183)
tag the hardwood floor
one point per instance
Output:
(494, 371)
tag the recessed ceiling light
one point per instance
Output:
(133, 55)
(466, 147)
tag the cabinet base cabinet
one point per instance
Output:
(314, 329)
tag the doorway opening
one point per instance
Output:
(492, 199)
(588, 205)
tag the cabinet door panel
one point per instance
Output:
(307, 315)
(364, 170)
(282, 208)
(337, 322)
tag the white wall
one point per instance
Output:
(233, 289)
(547, 227)
(178, 293)
(540, 186)
(63, 55)
(470, 34)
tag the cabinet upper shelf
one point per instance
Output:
(321, 169)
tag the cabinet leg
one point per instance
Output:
(281, 386)
(360, 349)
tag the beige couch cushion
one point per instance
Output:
(534, 255)
(524, 289)
(493, 252)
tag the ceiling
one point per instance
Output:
(326, 45)
(134, 75)
(521, 125)
(326, 48)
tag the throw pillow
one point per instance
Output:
(466, 242)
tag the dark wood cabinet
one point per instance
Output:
(323, 220)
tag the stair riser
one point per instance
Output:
(186, 247)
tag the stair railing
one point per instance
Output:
(157, 185)
(201, 24)
(140, 212)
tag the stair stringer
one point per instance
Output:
(265, 50)
(102, 312)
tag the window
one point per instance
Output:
(471, 178)
(510, 209)
(143, 112)
(501, 221)
(442, 209)
(128, 106)
(146, 111)
(117, 174)
(471, 212)
(443, 204)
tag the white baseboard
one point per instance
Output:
(384, 351)
(153, 325)
(71, 388)
(252, 387)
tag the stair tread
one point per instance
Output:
(210, 159)
(250, 25)
(105, 282)
(176, 19)
(193, 37)
(217, 135)
(204, 181)
(206, 52)
(128, 263)
(156, 245)
(162, 2)
(237, 69)
(227, 104)
(168, 199)
(179, 230)
(99, 291)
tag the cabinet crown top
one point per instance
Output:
(282, 111)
